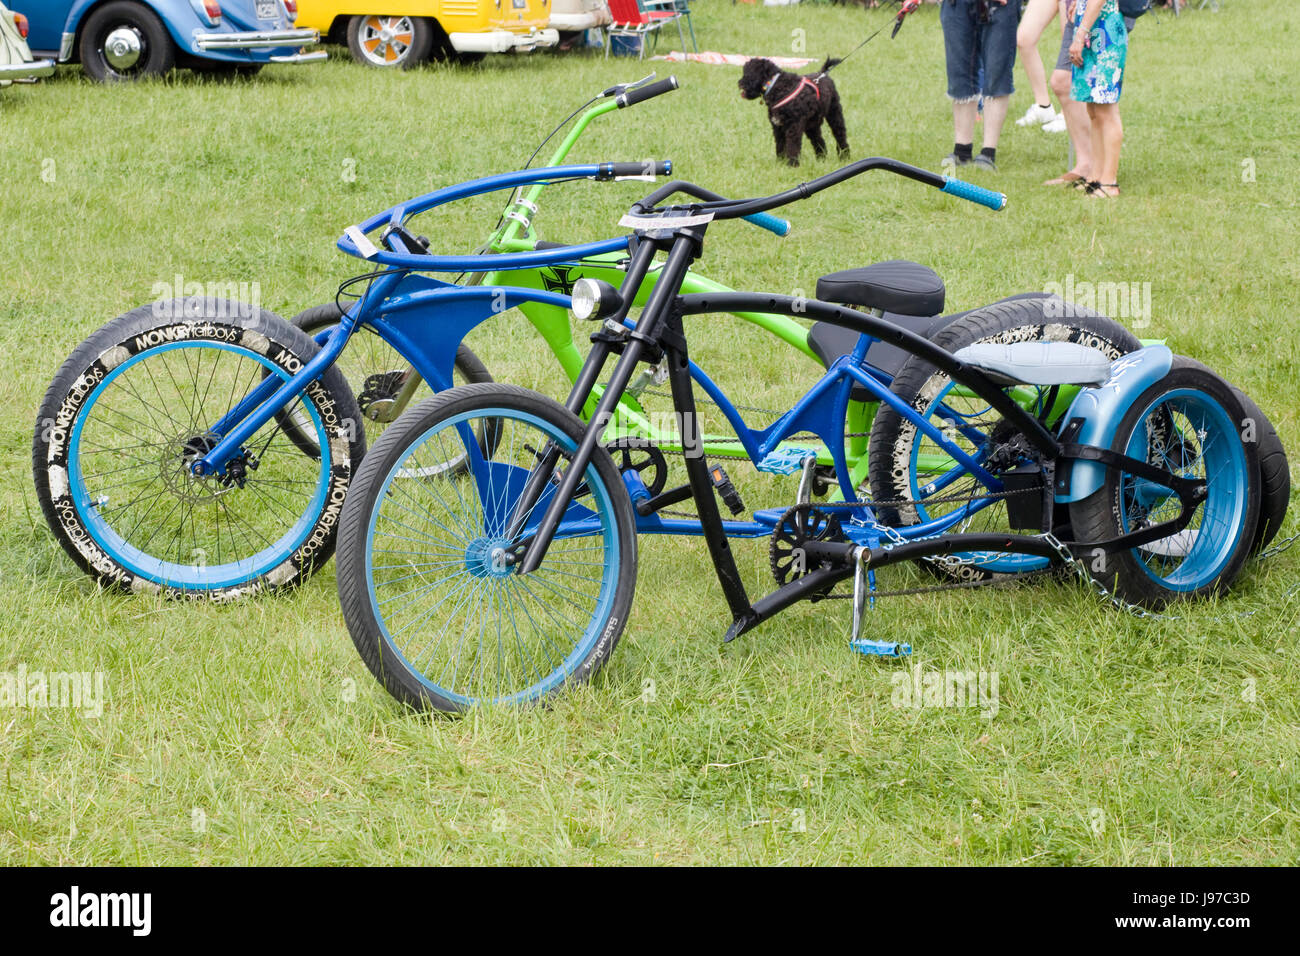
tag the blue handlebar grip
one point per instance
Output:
(972, 193)
(771, 223)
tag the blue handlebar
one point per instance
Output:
(771, 223)
(972, 193)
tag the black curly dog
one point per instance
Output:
(796, 106)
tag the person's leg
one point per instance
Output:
(961, 55)
(1110, 133)
(1076, 125)
(1038, 14)
(995, 114)
(1097, 142)
(998, 48)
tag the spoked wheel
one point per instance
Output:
(381, 379)
(906, 466)
(386, 41)
(134, 407)
(124, 40)
(427, 575)
(1188, 424)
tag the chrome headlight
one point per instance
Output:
(594, 299)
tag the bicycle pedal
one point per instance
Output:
(880, 648)
(726, 490)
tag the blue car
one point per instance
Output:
(127, 39)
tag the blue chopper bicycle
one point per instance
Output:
(488, 544)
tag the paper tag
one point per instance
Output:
(664, 222)
(363, 244)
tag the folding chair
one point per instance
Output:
(629, 20)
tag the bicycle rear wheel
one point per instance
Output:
(426, 581)
(1187, 423)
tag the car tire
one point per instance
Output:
(109, 35)
(388, 42)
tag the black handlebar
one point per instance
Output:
(646, 169)
(642, 93)
(739, 208)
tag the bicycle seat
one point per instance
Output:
(907, 288)
(1038, 363)
(829, 342)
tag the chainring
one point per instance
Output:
(631, 456)
(799, 525)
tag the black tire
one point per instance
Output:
(1274, 473)
(387, 459)
(367, 355)
(406, 49)
(1099, 516)
(66, 413)
(1015, 320)
(135, 23)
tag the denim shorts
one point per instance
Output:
(971, 42)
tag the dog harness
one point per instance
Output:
(803, 81)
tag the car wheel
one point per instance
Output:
(387, 41)
(125, 41)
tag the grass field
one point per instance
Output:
(253, 733)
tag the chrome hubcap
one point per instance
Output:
(122, 48)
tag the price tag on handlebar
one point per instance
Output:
(364, 245)
(664, 222)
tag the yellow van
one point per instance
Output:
(408, 32)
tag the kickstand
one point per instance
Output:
(864, 596)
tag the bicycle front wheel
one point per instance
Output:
(135, 405)
(428, 588)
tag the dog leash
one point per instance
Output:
(908, 7)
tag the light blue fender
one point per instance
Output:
(1100, 410)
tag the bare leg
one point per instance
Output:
(1107, 138)
(1077, 124)
(963, 120)
(1038, 14)
(995, 114)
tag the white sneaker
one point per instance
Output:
(1057, 125)
(1036, 115)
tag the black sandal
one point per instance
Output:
(1100, 191)
(1087, 185)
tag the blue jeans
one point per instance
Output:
(972, 39)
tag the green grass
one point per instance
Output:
(1116, 741)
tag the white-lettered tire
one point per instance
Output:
(134, 405)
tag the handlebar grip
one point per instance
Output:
(771, 223)
(649, 91)
(647, 169)
(972, 193)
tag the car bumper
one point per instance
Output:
(503, 41)
(26, 72)
(573, 22)
(254, 40)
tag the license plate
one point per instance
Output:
(266, 9)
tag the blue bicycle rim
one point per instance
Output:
(465, 564)
(190, 576)
(1216, 528)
